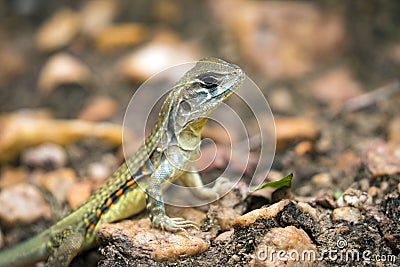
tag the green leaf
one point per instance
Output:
(284, 182)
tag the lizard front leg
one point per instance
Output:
(154, 201)
(193, 181)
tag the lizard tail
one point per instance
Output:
(26, 253)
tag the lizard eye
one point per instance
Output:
(208, 80)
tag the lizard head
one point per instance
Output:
(199, 92)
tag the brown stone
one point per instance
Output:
(62, 68)
(22, 203)
(140, 239)
(291, 128)
(293, 245)
(263, 213)
(58, 30)
(382, 158)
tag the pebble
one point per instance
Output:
(398, 188)
(46, 156)
(58, 182)
(10, 176)
(335, 86)
(98, 171)
(354, 198)
(372, 191)
(98, 108)
(164, 51)
(58, 30)
(291, 128)
(324, 179)
(225, 237)
(382, 158)
(143, 240)
(306, 208)
(263, 213)
(96, 15)
(120, 36)
(326, 201)
(290, 242)
(235, 258)
(62, 68)
(22, 203)
(303, 148)
(348, 214)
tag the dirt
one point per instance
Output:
(338, 151)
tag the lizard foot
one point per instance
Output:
(173, 224)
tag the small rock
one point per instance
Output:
(78, 193)
(235, 258)
(335, 87)
(290, 129)
(163, 52)
(22, 203)
(120, 36)
(382, 158)
(139, 239)
(225, 237)
(398, 188)
(98, 171)
(303, 148)
(98, 108)
(373, 191)
(58, 182)
(48, 156)
(306, 208)
(323, 179)
(263, 213)
(58, 30)
(291, 243)
(326, 201)
(348, 214)
(354, 198)
(10, 176)
(60, 69)
(96, 15)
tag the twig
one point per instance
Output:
(370, 98)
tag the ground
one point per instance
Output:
(329, 73)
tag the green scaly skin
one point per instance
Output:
(165, 155)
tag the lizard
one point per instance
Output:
(165, 155)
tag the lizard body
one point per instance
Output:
(165, 155)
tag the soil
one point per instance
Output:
(345, 132)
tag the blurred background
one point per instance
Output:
(328, 69)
